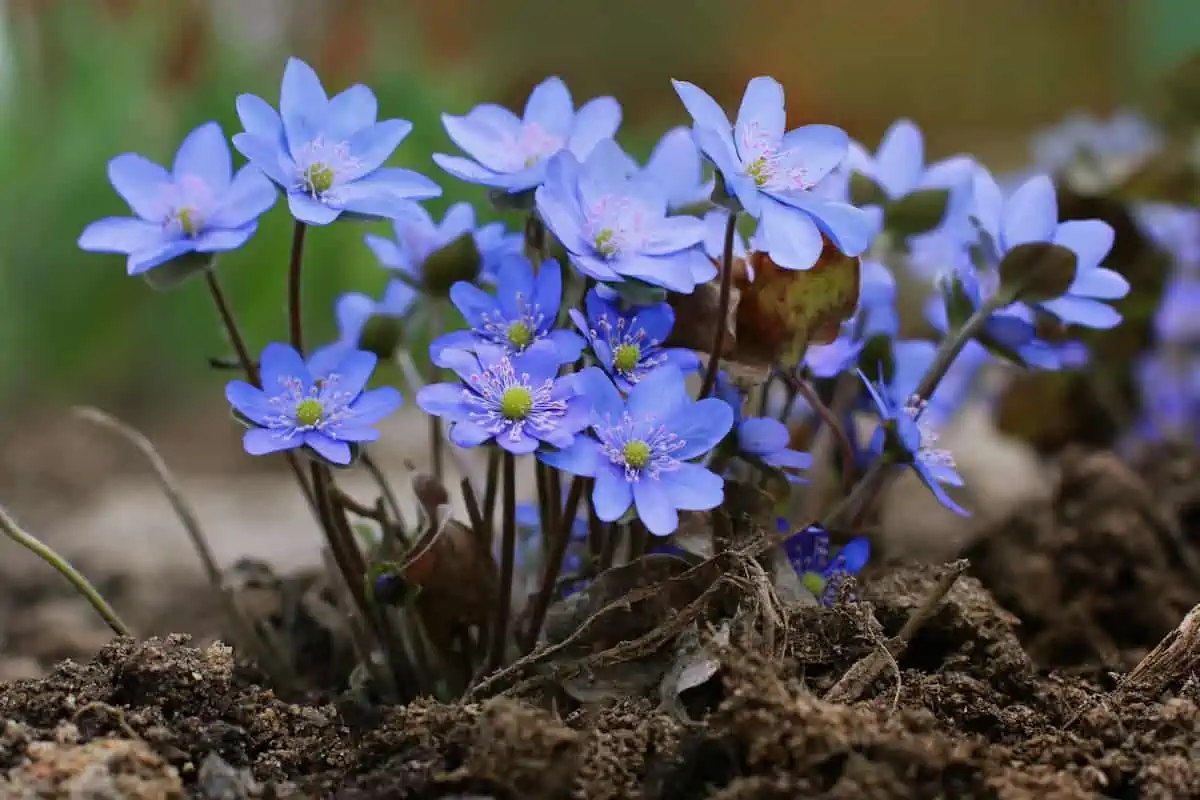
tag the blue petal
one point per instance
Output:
(655, 321)
(660, 394)
(606, 400)
(311, 211)
(691, 487)
(595, 121)
(465, 433)
(490, 146)
(353, 372)
(372, 146)
(373, 406)
(581, 458)
(900, 158)
(250, 401)
(514, 279)
(938, 492)
(442, 400)
(121, 235)
(547, 291)
(707, 114)
(672, 234)
(569, 344)
(701, 426)
(1031, 213)
(141, 183)
(204, 154)
(387, 192)
(790, 237)
(248, 197)
(327, 447)
(145, 260)
(612, 494)
(302, 104)
(558, 205)
(854, 555)
(850, 228)
(550, 107)
(1100, 283)
(654, 507)
(264, 156)
(352, 311)
(260, 441)
(389, 253)
(761, 117)
(761, 435)
(670, 272)
(216, 241)
(1083, 311)
(814, 151)
(1090, 240)
(472, 302)
(279, 365)
(450, 342)
(350, 111)
(259, 119)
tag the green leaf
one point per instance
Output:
(1037, 271)
(917, 212)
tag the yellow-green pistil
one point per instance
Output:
(626, 357)
(189, 221)
(814, 582)
(319, 177)
(520, 335)
(606, 242)
(516, 403)
(637, 453)
(309, 411)
(757, 169)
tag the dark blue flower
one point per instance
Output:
(198, 207)
(320, 405)
(510, 153)
(328, 154)
(521, 313)
(417, 237)
(628, 343)
(640, 449)
(1030, 215)
(772, 174)
(821, 570)
(614, 226)
(517, 400)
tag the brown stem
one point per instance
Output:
(834, 427)
(507, 562)
(554, 559)
(295, 312)
(714, 358)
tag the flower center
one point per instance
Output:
(758, 170)
(309, 412)
(189, 220)
(626, 357)
(519, 335)
(318, 177)
(516, 402)
(637, 453)
(535, 144)
(605, 243)
(814, 582)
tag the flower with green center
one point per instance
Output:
(517, 400)
(320, 405)
(521, 313)
(328, 153)
(822, 571)
(190, 220)
(628, 343)
(757, 169)
(605, 242)
(636, 453)
(641, 449)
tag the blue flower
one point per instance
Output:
(772, 173)
(354, 309)
(821, 571)
(898, 168)
(1177, 320)
(198, 207)
(1030, 215)
(615, 226)
(762, 439)
(1103, 150)
(320, 405)
(1176, 229)
(1169, 386)
(714, 237)
(640, 450)
(628, 344)
(417, 237)
(328, 154)
(517, 400)
(905, 431)
(521, 314)
(510, 153)
(676, 167)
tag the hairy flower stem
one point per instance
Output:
(346, 555)
(851, 509)
(714, 358)
(552, 567)
(436, 439)
(390, 499)
(508, 554)
(832, 428)
(490, 490)
(252, 374)
(295, 311)
(541, 474)
(13, 531)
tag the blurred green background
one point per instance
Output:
(83, 80)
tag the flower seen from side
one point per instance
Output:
(772, 173)
(516, 400)
(641, 449)
(629, 343)
(327, 154)
(365, 323)
(322, 405)
(510, 153)
(198, 207)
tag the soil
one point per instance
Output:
(1013, 688)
